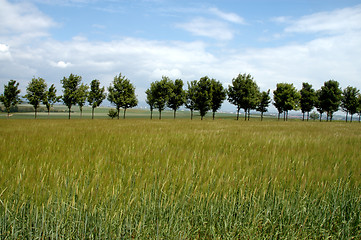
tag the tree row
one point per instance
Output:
(203, 95)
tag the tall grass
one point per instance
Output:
(179, 179)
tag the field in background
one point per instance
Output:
(179, 179)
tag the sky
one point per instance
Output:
(273, 40)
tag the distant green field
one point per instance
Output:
(179, 179)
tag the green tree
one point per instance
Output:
(314, 115)
(70, 90)
(81, 97)
(122, 94)
(219, 94)
(263, 103)
(307, 100)
(318, 103)
(96, 95)
(161, 92)
(349, 101)
(10, 97)
(286, 98)
(330, 97)
(359, 107)
(203, 96)
(112, 113)
(190, 96)
(177, 96)
(36, 92)
(244, 93)
(51, 98)
(150, 98)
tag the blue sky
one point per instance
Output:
(275, 41)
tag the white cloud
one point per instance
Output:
(22, 18)
(60, 64)
(338, 21)
(231, 17)
(4, 52)
(208, 28)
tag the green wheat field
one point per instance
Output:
(179, 179)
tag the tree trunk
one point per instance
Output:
(284, 116)
(214, 114)
(279, 114)
(287, 116)
(81, 113)
(303, 116)
(201, 117)
(308, 115)
(151, 114)
(249, 113)
(261, 116)
(125, 109)
(359, 117)
(93, 112)
(118, 110)
(238, 113)
(160, 114)
(48, 112)
(320, 117)
(191, 114)
(351, 118)
(245, 114)
(35, 112)
(174, 114)
(69, 112)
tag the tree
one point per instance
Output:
(36, 92)
(176, 96)
(349, 101)
(190, 96)
(318, 104)
(81, 97)
(112, 113)
(219, 94)
(10, 97)
(122, 94)
(70, 86)
(314, 115)
(161, 91)
(307, 100)
(263, 103)
(51, 98)
(203, 96)
(244, 93)
(359, 106)
(96, 95)
(150, 98)
(286, 98)
(330, 97)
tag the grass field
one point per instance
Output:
(179, 179)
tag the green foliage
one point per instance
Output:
(244, 93)
(176, 96)
(150, 100)
(190, 96)
(36, 92)
(70, 90)
(330, 97)
(307, 99)
(112, 113)
(160, 92)
(96, 95)
(349, 101)
(219, 94)
(264, 102)
(203, 96)
(51, 98)
(122, 94)
(286, 98)
(10, 97)
(314, 115)
(81, 97)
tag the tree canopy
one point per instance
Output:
(96, 95)
(10, 97)
(307, 99)
(219, 94)
(349, 101)
(286, 98)
(177, 96)
(70, 90)
(330, 98)
(36, 92)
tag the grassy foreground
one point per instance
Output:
(179, 179)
